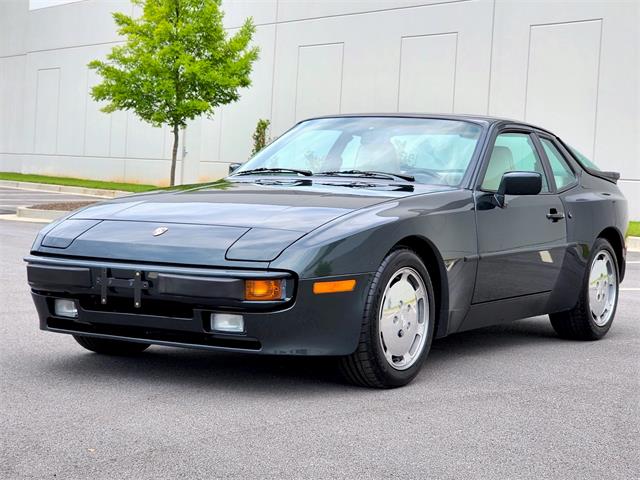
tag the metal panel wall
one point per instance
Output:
(45, 137)
(428, 73)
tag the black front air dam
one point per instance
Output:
(310, 325)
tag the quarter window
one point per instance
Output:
(512, 152)
(583, 160)
(562, 174)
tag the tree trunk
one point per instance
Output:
(174, 155)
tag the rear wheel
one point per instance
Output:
(110, 347)
(397, 325)
(592, 316)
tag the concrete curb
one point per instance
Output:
(90, 192)
(38, 214)
(633, 244)
(15, 218)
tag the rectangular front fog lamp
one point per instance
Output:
(65, 308)
(334, 286)
(227, 323)
(263, 290)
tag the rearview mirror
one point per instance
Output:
(518, 183)
(233, 167)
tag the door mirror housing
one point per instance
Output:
(518, 183)
(233, 167)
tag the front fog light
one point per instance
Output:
(65, 308)
(227, 322)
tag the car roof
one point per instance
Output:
(481, 119)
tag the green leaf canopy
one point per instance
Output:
(177, 62)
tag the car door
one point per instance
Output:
(521, 245)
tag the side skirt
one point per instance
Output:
(500, 311)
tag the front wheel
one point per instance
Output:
(397, 326)
(592, 316)
(110, 347)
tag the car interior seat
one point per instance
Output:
(377, 154)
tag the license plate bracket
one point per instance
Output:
(104, 281)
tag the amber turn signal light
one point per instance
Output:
(265, 290)
(334, 287)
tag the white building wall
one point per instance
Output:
(571, 66)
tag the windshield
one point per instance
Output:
(434, 151)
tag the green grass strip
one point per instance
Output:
(76, 182)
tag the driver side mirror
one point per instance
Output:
(233, 167)
(518, 183)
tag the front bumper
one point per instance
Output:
(170, 305)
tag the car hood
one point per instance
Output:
(252, 220)
(276, 204)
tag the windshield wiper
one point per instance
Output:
(369, 173)
(306, 173)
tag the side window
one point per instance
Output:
(512, 152)
(562, 173)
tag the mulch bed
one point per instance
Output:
(66, 206)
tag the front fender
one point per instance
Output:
(358, 242)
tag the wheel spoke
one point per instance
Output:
(602, 288)
(402, 315)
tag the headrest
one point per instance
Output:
(380, 155)
(502, 156)
(501, 161)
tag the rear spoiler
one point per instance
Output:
(610, 176)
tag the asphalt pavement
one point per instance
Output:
(12, 198)
(503, 402)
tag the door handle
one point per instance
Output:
(554, 215)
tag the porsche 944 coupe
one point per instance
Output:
(357, 236)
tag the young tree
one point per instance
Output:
(260, 139)
(176, 64)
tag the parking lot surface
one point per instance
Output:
(511, 401)
(12, 198)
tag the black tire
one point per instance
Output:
(367, 366)
(579, 323)
(111, 347)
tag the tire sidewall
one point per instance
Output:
(600, 245)
(394, 261)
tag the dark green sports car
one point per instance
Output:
(358, 236)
